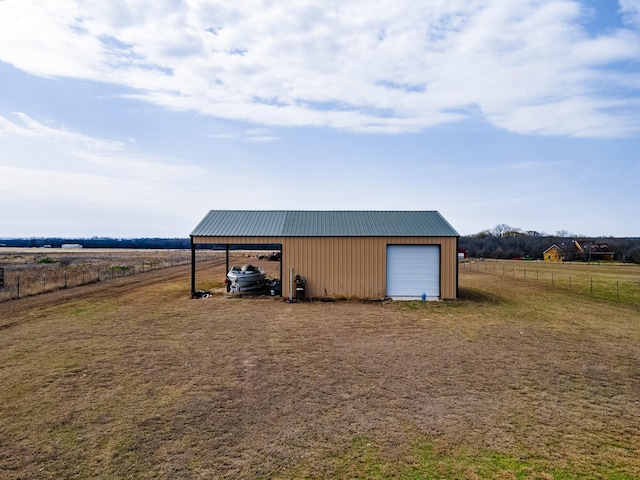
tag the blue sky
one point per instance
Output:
(134, 119)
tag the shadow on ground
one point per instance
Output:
(477, 296)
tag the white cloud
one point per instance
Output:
(631, 11)
(62, 149)
(256, 135)
(65, 181)
(528, 66)
(31, 128)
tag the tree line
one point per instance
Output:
(502, 242)
(98, 242)
(505, 242)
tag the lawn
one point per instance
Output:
(603, 280)
(133, 379)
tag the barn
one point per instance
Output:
(344, 254)
(553, 254)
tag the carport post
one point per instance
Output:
(227, 264)
(193, 268)
(281, 277)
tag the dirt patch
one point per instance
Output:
(133, 379)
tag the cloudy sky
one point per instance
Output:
(135, 118)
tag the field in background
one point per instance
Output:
(605, 280)
(33, 271)
(133, 379)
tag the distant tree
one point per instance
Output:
(513, 233)
(514, 243)
(632, 255)
(500, 230)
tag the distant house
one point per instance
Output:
(71, 245)
(462, 254)
(594, 251)
(553, 254)
(601, 251)
(584, 250)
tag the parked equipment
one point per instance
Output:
(301, 283)
(247, 277)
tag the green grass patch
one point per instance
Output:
(610, 282)
(120, 268)
(46, 261)
(364, 460)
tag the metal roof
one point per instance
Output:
(298, 223)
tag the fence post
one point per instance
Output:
(65, 279)
(591, 285)
(44, 282)
(525, 273)
(18, 286)
(551, 278)
(83, 275)
(617, 290)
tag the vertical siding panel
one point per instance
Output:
(354, 250)
(378, 259)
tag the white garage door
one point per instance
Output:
(413, 270)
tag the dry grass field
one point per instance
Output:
(32, 271)
(133, 379)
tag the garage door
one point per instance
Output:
(413, 270)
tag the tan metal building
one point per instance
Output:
(345, 254)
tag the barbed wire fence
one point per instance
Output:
(624, 289)
(19, 282)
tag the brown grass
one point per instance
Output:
(33, 271)
(132, 379)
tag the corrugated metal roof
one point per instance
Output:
(286, 223)
(241, 223)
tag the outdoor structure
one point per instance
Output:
(584, 250)
(344, 254)
(71, 246)
(553, 254)
(594, 251)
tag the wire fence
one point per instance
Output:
(614, 282)
(24, 283)
(49, 273)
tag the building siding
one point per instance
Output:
(553, 254)
(348, 267)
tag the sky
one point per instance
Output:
(134, 119)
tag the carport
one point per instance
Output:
(227, 247)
